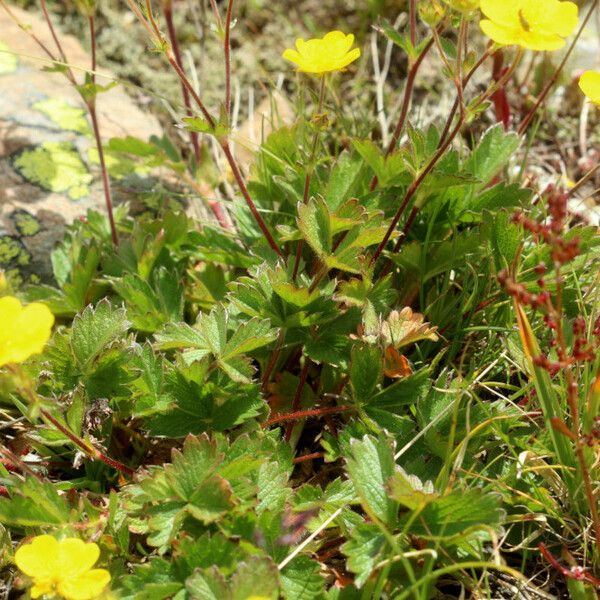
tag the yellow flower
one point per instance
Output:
(589, 83)
(532, 24)
(24, 330)
(322, 55)
(62, 567)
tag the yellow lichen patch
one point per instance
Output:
(64, 115)
(56, 167)
(8, 60)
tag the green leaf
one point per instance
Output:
(192, 465)
(209, 337)
(364, 549)
(185, 407)
(211, 500)
(314, 222)
(366, 370)
(370, 467)
(33, 503)
(409, 390)
(458, 513)
(208, 584)
(301, 580)
(94, 329)
(344, 180)
(492, 154)
(256, 578)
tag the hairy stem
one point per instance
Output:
(168, 14)
(298, 397)
(309, 171)
(91, 105)
(92, 452)
(227, 52)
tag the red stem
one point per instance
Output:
(304, 414)
(168, 13)
(412, 18)
(309, 171)
(227, 51)
(88, 449)
(240, 181)
(305, 457)
(298, 396)
(91, 104)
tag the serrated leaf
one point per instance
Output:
(273, 491)
(366, 369)
(34, 504)
(256, 578)
(410, 491)
(208, 584)
(492, 154)
(301, 580)
(193, 409)
(210, 337)
(370, 467)
(343, 180)
(192, 465)
(96, 328)
(364, 550)
(314, 222)
(458, 513)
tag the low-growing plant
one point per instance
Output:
(374, 374)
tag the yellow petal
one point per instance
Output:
(505, 36)
(502, 12)
(567, 18)
(589, 83)
(292, 56)
(349, 58)
(76, 557)
(41, 587)
(86, 586)
(39, 559)
(25, 330)
(550, 16)
(10, 307)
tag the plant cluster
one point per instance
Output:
(373, 374)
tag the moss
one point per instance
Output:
(56, 167)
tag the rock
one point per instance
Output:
(48, 161)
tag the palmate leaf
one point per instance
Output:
(319, 225)
(210, 337)
(186, 407)
(270, 293)
(206, 480)
(94, 329)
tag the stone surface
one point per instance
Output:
(48, 162)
